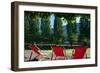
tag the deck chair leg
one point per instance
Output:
(86, 56)
(65, 54)
(52, 56)
(55, 57)
(30, 56)
(65, 58)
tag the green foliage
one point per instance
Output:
(71, 29)
(31, 27)
(84, 36)
(58, 31)
(45, 27)
(37, 28)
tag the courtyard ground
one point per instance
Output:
(68, 52)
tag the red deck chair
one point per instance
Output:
(36, 50)
(79, 52)
(57, 51)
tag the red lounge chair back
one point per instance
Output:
(58, 50)
(79, 52)
(34, 49)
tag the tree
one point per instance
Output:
(27, 26)
(58, 30)
(71, 28)
(84, 36)
(31, 26)
(45, 27)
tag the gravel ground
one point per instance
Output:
(68, 52)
